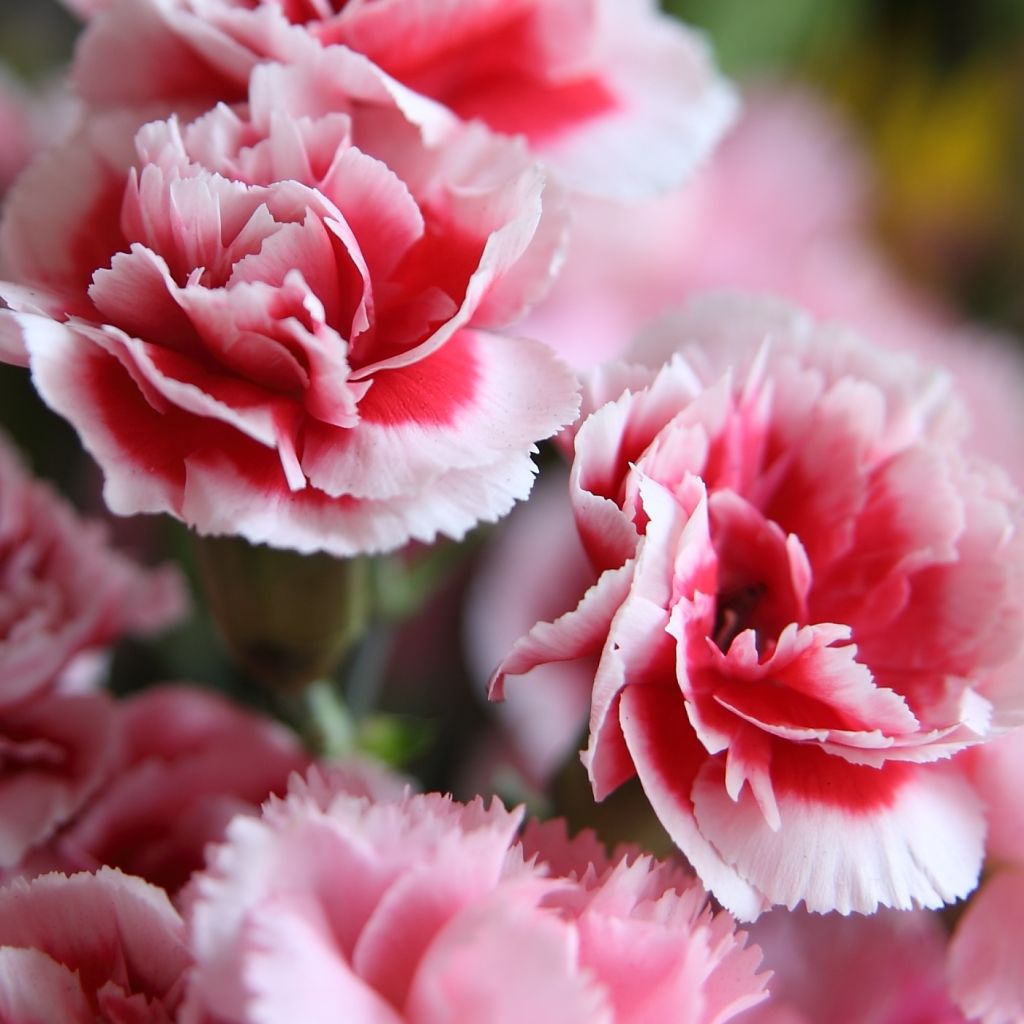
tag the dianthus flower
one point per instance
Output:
(808, 599)
(274, 320)
(424, 910)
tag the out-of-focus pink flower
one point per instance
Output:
(64, 594)
(57, 750)
(808, 600)
(780, 207)
(90, 947)
(985, 976)
(423, 910)
(620, 98)
(888, 968)
(286, 331)
(188, 762)
(63, 590)
(534, 568)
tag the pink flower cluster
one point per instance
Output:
(398, 908)
(320, 274)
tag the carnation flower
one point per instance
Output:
(187, 762)
(620, 98)
(273, 321)
(808, 599)
(424, 910)
(64, 595)
(63, 590)
(89, 947)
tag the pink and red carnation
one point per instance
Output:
(618, 97)
(423, 910)
(807, 601)
(276, 320)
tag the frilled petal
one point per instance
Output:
(545, 717)
(851, 838)
(111, 930)
(573, 635)
(478, 397)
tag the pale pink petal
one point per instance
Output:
(33, 987)
(416, 908)
(534, 957)
(293, 970)
(985, 977)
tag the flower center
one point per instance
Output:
(735, 611)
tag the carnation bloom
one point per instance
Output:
(187, 762)
(90, 947)
(618, 97)
(63, 590)
(807, 600)
(420, 909)
(272, 321)
(64, 593)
